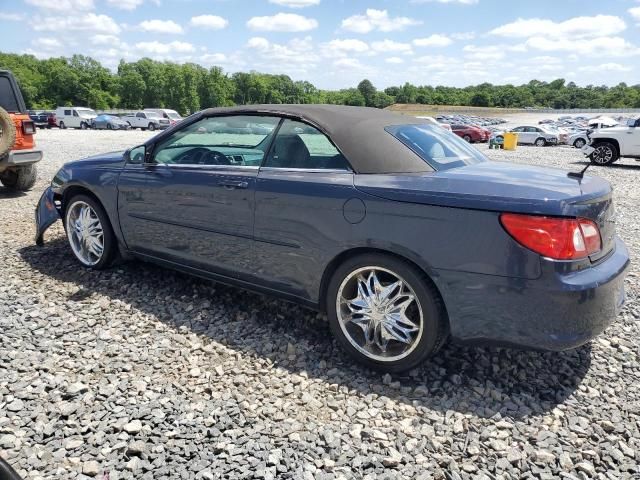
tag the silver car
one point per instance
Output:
(539, 136)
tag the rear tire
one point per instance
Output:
(8, 129)
(605, 153)
(21, 179)
(62, 125)
(467, 138)
(540, 142)
(415, 300)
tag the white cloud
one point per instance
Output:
(210, 58)
(635, 13)
(599, 46)
(545, 59)
(210, 22)
(463, 35)
(125, 4)
(610, 67)
(577, 27)
(63, 5)
(160, 26)
(491, 52)
(386, 46)
(434, 40)
(298, 55)
(394, 60)
(101, 39)
(296, 3)
(340, 47)
(159, 48)
(259, 43)
(349, 63)
(461, 2)
(47, 43)
(282, 22)
(12, 17)
(89, 22)
(377, 20)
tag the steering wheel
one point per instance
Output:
(203, 156)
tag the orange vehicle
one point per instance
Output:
(18, 156)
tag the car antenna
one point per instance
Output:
(579, 175)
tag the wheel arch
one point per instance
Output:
(608, 140)
(333, 265)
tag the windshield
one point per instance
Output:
(85, 112)
(152, 115)
(173, 115)
(438, 147)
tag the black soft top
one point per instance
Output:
(10, 97)
(357, 131)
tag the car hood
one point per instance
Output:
(103, 159)
(494, 186)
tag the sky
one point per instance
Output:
(336, 43)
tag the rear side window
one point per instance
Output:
(8, 99)
(67, 112)
(436, 146)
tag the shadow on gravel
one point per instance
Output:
(479, 381)
(614, 165)
(9, 193)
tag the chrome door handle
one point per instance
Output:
(231, 185)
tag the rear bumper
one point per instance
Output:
(21, 157)
(557, 311)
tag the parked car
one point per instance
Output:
(607, 145)
(166, 113)
(402, 232)
(471, 133)
(147, 120)
(433, 121)
(109, 122)
(43, 119)
(539, 136)
(75, 117)
(18, 153)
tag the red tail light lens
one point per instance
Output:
(28, 127)
(557, 238)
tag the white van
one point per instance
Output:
(75, 117)
(171, 115)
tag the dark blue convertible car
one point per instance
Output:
(402, 232)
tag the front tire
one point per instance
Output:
(385, 313)
(605, 153)
(21, 179)
(579, 143)
(540, 142)
(83, 126)
(62, 125)
(152, 127)
(89, 232)
(467, 138)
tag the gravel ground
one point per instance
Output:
(139, 372)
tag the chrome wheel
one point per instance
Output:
(379, 314)
(579, 143)
(541, 142)
(603, 154)
(85, 233)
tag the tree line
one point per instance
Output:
(187, 88)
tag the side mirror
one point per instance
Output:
(631, 122)
(137, 155)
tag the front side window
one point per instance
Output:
(239, 140)
(140, 115)
(299, 145)
(436, 146)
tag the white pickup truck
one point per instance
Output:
(146, 120)
(608, 145)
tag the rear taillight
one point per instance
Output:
(28, 127)
(557, 238)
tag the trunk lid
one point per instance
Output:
(503, 187)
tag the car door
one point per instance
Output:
(523, 135)
(193, 202)
(630, 144)
(301, 193)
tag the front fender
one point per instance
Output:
(46, 214)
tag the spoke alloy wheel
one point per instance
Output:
(379, 313)
(85, 233)
(602, 155)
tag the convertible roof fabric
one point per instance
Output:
(358, 132)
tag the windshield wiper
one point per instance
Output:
(579, 175)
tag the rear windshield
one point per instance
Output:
(8, 99)
(438, 147)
